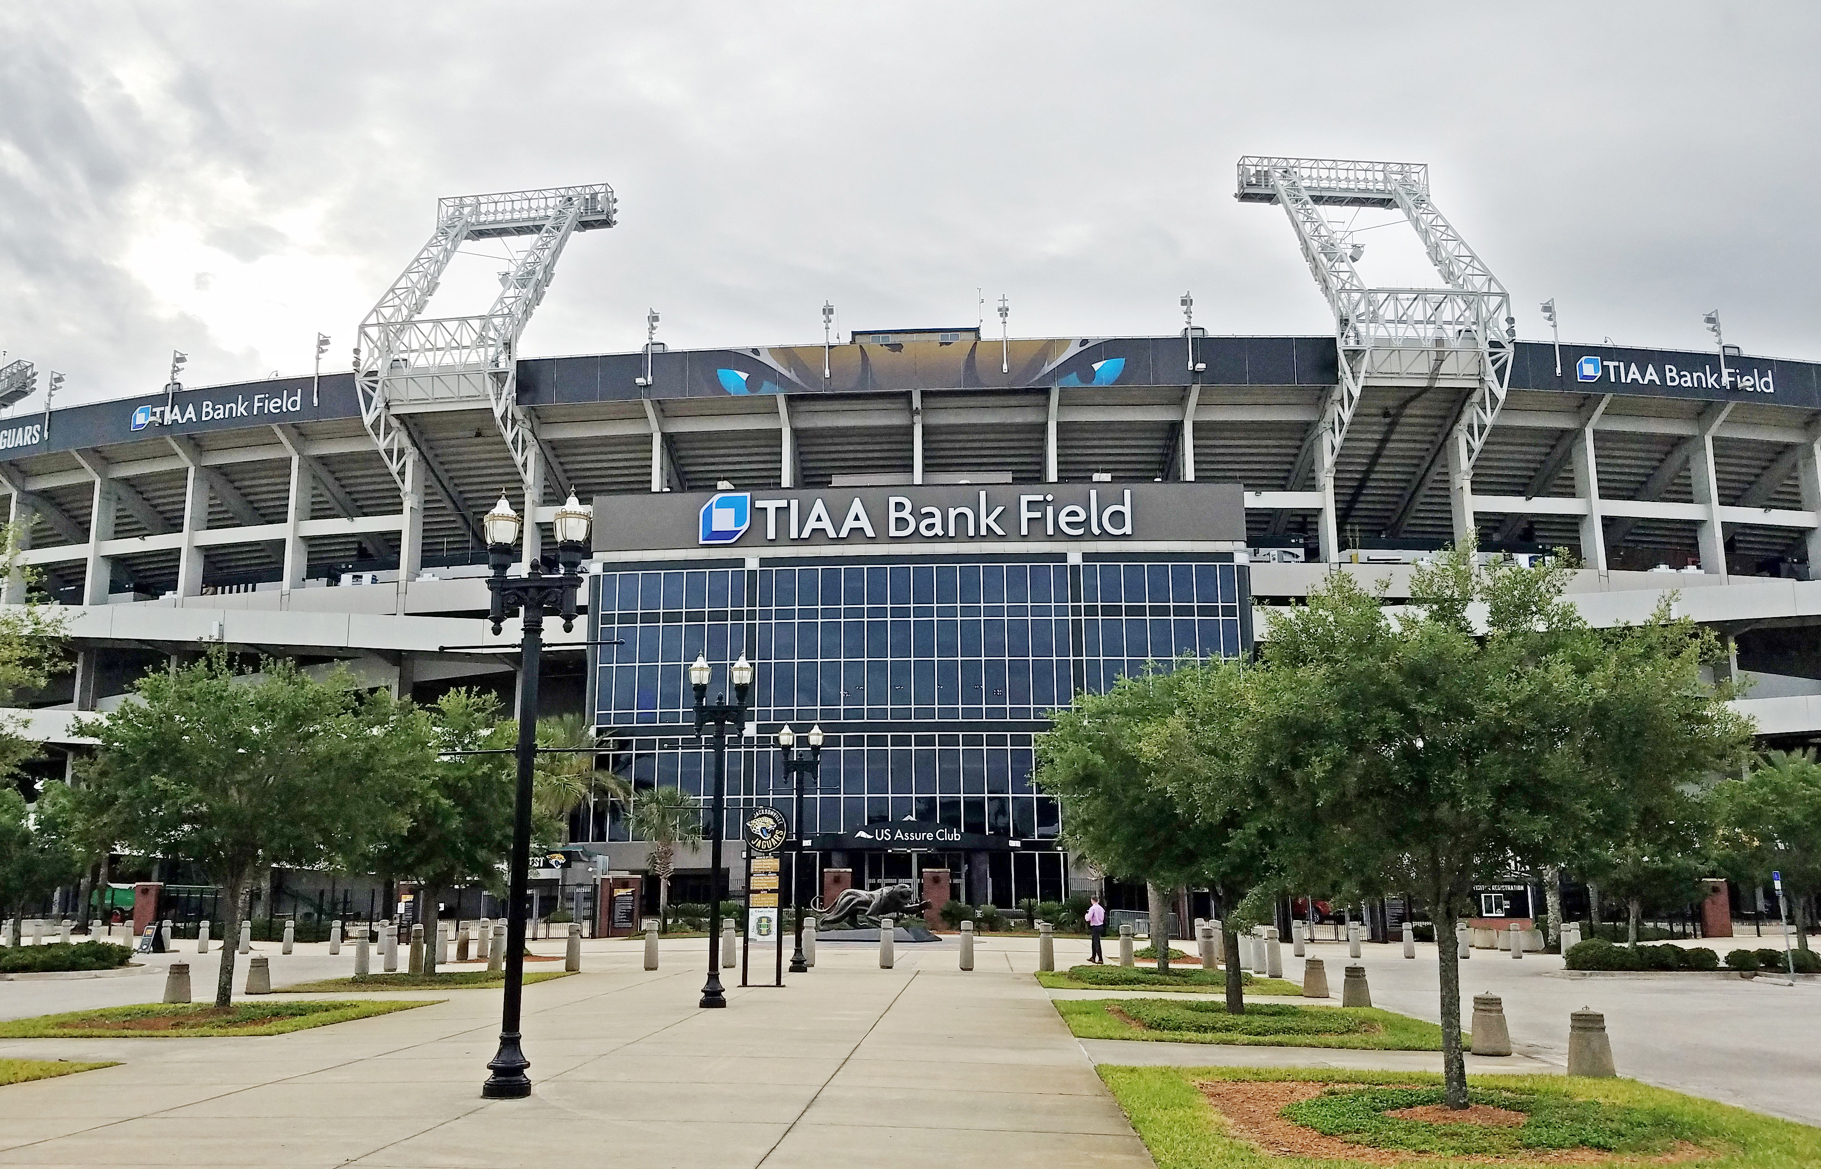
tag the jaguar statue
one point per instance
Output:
(854, 904)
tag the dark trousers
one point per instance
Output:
(1095, 933)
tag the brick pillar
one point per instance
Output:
(145, 905)
(1716, 911)
(834, 883)
(936, 891)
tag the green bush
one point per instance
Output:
(1771, 959)
(1075, 911)
(1052, 912)
(1664, 957)
(61, 956)
(1807, 961)
(1746, 960)
(1422, 931)
(1599, 954)
(954, 913)
(1028, 907)
(989, 917)
(1151, 952)
(560, 916)
(1700, 958)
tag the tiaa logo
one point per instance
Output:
(142, 417)
(725, 517)
(1589, 369)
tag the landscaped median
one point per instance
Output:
(1262, 1024)
(192, 1020)
(1226, 1118)
(442, 980)
(63, 956)
(1187, 978)
(18, 1071)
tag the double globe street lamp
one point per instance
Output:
(797, 765)
(549, 585)
(722, 714)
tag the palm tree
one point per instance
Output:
(666, 817)
(566, 779)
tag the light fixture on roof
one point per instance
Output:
(651, 336)
(1005, 342)
(1548, 308)
(723, 485)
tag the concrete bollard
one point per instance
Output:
(1125, 946)
(164, 931)
(1296, 939)
(730, 948)
(443, 930)
(1353, 989)
(1409, 940)
(290, 938)
(415, 961)
(1490, 1034)
(1204, 941)
(1046, 946)
(572, 953)
(259, 975)
(1463, 946)
(1517, 941)
(388, 948)
(809, 942)
(651, 945)
(202, 937)
(888, 937)
(246, 938)
(363, 964)
(1315, 979)
(94, 930)
(461, 944)
(37, 932)
(496, 949)
(1259, 966)
(335, 936)
(1274, 954)
(1220, 940)
(1571, 935)
(483, 940)
(177, 983)
(1352, 939)
(63, 932)
(1589, 1049)
(967, 945)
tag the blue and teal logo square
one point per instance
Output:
(726, 517)
(1588, 370)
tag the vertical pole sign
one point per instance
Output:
(1789, 956)
(766, 832)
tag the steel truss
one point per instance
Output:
(1398, 336)
(404, 364)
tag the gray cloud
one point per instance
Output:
(1638, 163)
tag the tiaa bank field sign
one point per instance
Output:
(999, 514)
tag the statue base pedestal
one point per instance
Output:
(903, 933)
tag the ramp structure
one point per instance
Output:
(1462, 332)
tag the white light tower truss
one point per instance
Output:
(1462, 332)
(405, 364)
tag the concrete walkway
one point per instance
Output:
(849, 1066)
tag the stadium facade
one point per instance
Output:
(923, 538)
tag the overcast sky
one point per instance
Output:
(230, 179)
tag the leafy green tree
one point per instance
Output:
(565, 777)
(1771, 822)
(1485, 726)
(665, 817)
(1660, 858)
(455, 822)
(238, 772)
(37, 854)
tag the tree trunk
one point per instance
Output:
(1454, 1063)
(1633, 917)
(1593, 900)
(104, 889)
(82, 896)
(432, 920)
(1798, 906)
(1236, 975)
(239, 892)
(1552, 897)
(661, 865)
(12, 929)
(1160, 925)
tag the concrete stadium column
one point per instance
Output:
(917, 437)
(1049, 437)
(533, 535)
(1808, 476)
(411, 533)
(98, 576)
(21, 517)
(1587, 487)
(1710, 533)
(1460, 489)
(1327, 520)
(1189, 402)
(787, 445)
(195, 519)
(297, 510)
(88, 664)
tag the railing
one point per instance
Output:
(1328, 180)
(525, 212)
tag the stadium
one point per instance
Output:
(922, 538)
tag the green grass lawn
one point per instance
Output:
(1263, 1024)
(197, 1019)
(1188, 978)
(1622, 1118)
(18, 1071)
(441, 980)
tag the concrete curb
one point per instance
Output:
(1739, 975)
(65, 975)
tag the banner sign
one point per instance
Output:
(766, 831)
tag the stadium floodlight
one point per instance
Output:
(828, 324)
(1005, 343)
(1712, 321)
(17, 381)
(1548, 308)
(178, 361)
(651, 336)
(322, 347)
(1187, 301)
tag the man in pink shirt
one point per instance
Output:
(1097, 926)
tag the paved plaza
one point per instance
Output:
(850, 1065)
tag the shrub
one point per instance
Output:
(1807, 961)
(988, 918)
(1700, 958)
(1423, 931)
(955, 912)
(1770, 959)
(1052, 912)
(1028, 907)
(1663, 957)
(1742, 960)
(1599, 954)
(1075, 910)
(61, 956)
(560, 916)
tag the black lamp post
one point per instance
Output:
(720, 713)
(797, 765)
(543, 589)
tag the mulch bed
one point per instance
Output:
(183, 1022)
(1251, 1110)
